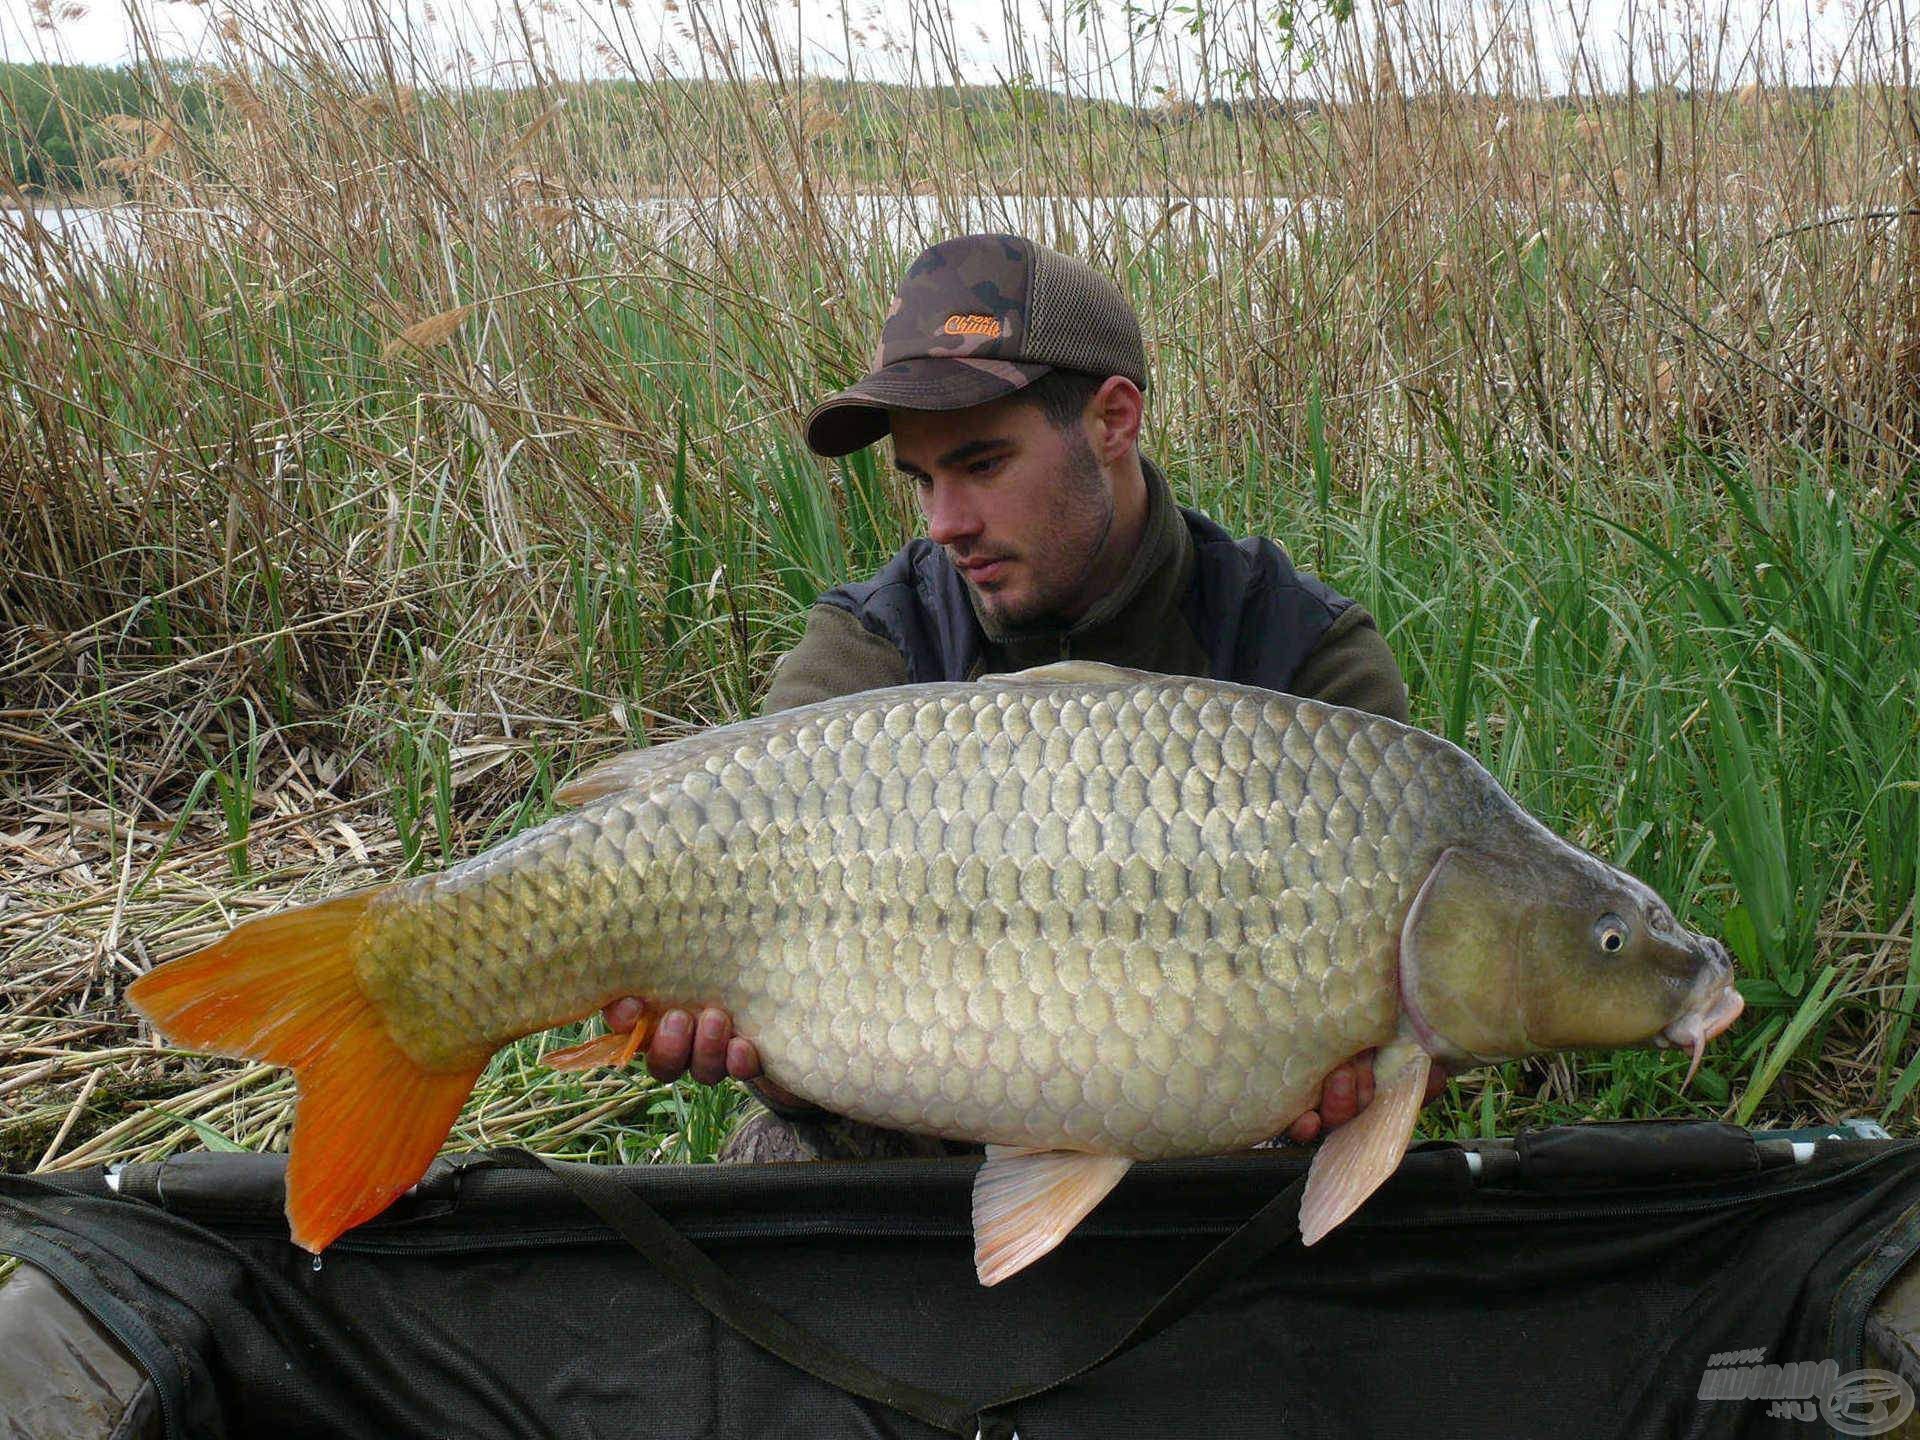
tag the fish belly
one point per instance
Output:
(1137, 919)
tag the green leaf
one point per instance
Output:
(1763, 994)
(1461, 700)
(1322, 463)
(1748, 828)
(209, 1136)
(1712, 1085)
(1812, 1010)
(1737, 930)
(1902, 1087)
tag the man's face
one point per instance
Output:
(1024, 511)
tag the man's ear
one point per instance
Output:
(1113, 418)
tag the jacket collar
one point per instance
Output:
(1145, 601)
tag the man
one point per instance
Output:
(1012, 381)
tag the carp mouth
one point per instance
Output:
(1715, 1006)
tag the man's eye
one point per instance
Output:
(982, 467)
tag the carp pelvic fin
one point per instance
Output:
(615, 1048)
(281, 988)
(1026, 1201)
(1355, 1159)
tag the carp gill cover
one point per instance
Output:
(1086, 915)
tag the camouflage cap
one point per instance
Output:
(976, 318)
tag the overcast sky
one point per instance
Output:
(484, 39)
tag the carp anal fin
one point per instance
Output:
(615, 1048)
(1357, 1157)
(1026, 1201)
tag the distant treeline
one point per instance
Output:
(56, 121)
(51, 115)
(47, 112)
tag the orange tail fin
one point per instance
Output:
(282, 989)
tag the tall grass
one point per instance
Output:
(425, 452)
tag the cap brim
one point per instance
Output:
(857, 416)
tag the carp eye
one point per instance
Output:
(1610, 933)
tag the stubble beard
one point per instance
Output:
(1062, 563)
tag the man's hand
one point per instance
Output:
(705, 1046)
(1348, 1091)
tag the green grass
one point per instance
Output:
(1725, 705)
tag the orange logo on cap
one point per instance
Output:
(987, 325)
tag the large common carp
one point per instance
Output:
(1087, 915)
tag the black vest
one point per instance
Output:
(1253, 616)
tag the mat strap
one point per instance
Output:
(599, 1189)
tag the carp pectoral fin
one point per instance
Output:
(1026, 1201)
(1356, 1158)
(1086, 672)
(615, 1048)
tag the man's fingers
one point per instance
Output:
(1347, 1091)
(1337, 1101)
(710, 1038)
(743, 1061)
(743, 1064)
(1307, 1124)
(623, 1014)
(1305, 1128)
(672, 1046)
(704, 1047)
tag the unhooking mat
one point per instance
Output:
(1631, 1280)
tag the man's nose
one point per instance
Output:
(949, 518)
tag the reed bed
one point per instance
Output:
(394, 446)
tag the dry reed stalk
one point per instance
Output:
(165, 136)
(73, 1113)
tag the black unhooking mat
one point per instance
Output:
(1574, 1282)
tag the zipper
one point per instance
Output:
(133, 1338)
(1892, 1262)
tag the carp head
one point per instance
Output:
(1549, 948)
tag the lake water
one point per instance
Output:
(106, 236)
(1257, 225)
(113, 235)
